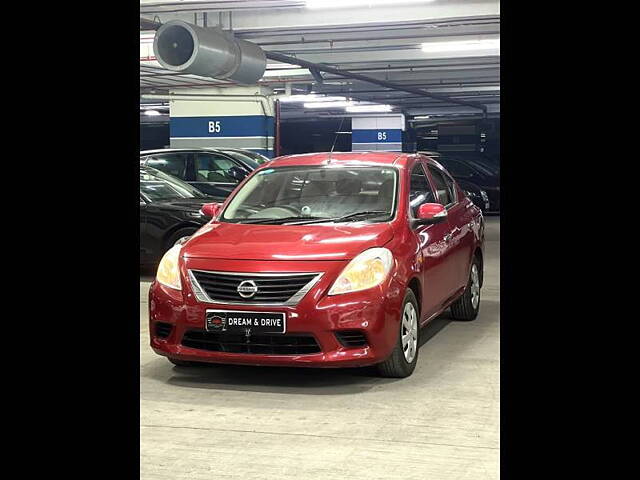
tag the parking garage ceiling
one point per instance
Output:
(410, 44)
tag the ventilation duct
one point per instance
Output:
(208, 52)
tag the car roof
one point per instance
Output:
(342, 158)
(169, 150)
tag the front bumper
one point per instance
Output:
(375, 313)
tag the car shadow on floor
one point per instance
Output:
(286, 380)
(148, 273)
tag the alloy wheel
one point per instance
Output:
(409, 332)
(475, 286)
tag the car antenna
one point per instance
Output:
(336, 138)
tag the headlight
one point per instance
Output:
(484, 195)
(367, 270)
(168, 271)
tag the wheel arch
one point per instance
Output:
(175, 228)
(415, 286)
(480, 256)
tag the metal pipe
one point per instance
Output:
(278, 57)
(208, 52)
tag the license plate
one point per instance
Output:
(239, 322)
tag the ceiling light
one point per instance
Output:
(357, 3)
(152, 113)
(286, 72)
(369, 108)
(462, 45)
(421, 117)
(309, 98)
(327, 104)
(280, 66)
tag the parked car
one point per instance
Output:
(462, 168)
(209, 170)
(169, 211)
(248, 155)
(322, 260)
(488, 161)
(477, 195)
(489, 164)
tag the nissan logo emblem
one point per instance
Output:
(247, 289)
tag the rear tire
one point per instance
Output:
(402, 361)
(466, 308)
(185, 363)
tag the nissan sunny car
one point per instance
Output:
(322, 260)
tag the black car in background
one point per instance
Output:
(246, 155)
(469, 168)
(209, 170)
(477, 195)
(169, 211)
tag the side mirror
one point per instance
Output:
(431, 213)
(211, 209)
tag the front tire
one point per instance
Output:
(402, 361)
(468, 305)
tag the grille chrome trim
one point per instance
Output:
(203, 297)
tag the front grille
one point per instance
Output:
(163, 330)
(222, 287)
(351, 338)
(287, 344)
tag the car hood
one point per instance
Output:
(235, 241)
(189, 204)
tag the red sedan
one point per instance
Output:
(322, 260)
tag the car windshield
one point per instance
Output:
(243, 157)
(458, 169)
(485, 166)
(159, 186)
(476, 164)
(258, 157)
(315, 194)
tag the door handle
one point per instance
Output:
(447, 237)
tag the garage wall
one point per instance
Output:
(215, 123)
(383, 132)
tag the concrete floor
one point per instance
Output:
(273, 423)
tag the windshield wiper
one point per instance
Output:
(277, 221)
(308, 220)
(356, 215)
(344, 218)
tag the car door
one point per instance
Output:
(459, 237)
(431, 239)
(216, 174)
(173, 163)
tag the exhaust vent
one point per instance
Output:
(208, 52)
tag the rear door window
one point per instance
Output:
(172, 163)
(214, 168)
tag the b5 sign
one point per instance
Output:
(214, 127)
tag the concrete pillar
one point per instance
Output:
(377, 132)
(235, 117)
